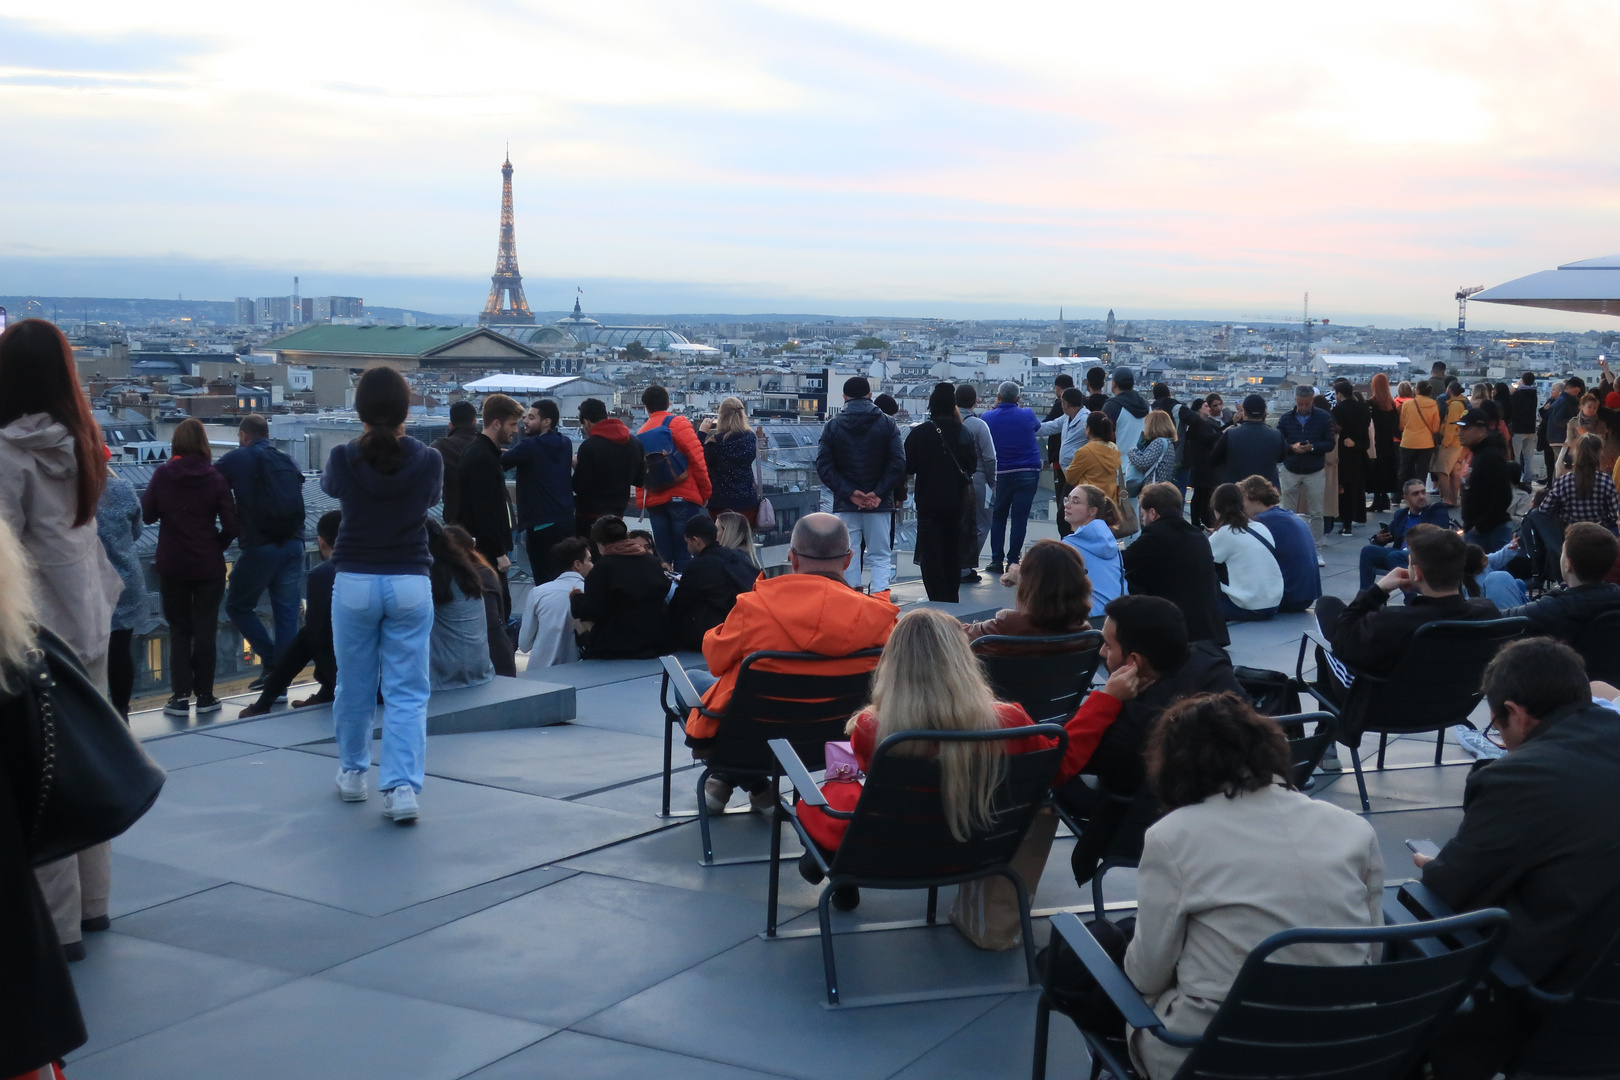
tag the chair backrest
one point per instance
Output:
(783, 695)
(1436, 683)
(1306, 751)
(1599, 645)
(1580, 1036)
(899, 832)
(1360, 1022)
(1046, 675)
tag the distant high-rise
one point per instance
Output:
(339, 307)
(246, 313)
(274, 310)
(1108, 332)
(506, 305)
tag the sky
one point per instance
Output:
(854, 157)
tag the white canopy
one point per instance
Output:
(1591, 286)
(517, 384)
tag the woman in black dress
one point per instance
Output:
(940, 453)
(1354, 417)
(1382, 471)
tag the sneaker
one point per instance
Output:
(351, 784)
(993, 568)
(207, 703)
(1330, 761)
(96, 925)
(399, 805)
(716, 794)
(1346, 531)
(179, 705)
(762, 801)
(1321, 561)
(1476, 745)
(257, 685)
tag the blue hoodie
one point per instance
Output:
(1103, 566)
(384, 529)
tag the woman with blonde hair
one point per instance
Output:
(927, 680)
(732, 530)
(1155, 459)
(730, 448)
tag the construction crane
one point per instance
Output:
(1303, 318)
(1460, 350)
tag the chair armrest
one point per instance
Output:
(1112, 980)
(1420, 899)
(798, 775)
(1396, 914)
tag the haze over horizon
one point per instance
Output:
(1168, 161)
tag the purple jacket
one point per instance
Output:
(188, 495)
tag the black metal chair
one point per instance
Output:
(1433, 687)
(1046, 675)
(778, 695)
(1281, 1021)
(1599, 645)
(897, 837)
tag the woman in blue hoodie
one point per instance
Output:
(382, 599)
(1091, 515)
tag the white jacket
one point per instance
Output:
(547, 634)
(1254, 580)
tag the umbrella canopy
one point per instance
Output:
(1591, 286)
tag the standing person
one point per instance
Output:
(269, 492)
(1488, 494)
(1384, 468)
(486, 512)
(382, 599)
(118, 524)
(1126, 409)
(1203, 430)
(1172, 559)
(1354, 417)
(862, 460)
(1097, 461)
(1068, 431)
(1219, 412)
(1250, 447)
(676, 484)
(939, 453)
(463, 430)
(730, 448)
(545, 494)
(190, 502)
(1053, 441)
(53, 466)
(1096, 378)
(1155, 459)
(1562, 407)
(1245, 550)
(608, 466)
(1420, 423)
(984, 479)
(1448, 459)
(1018, 474)
(1307, 432)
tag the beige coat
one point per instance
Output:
(75, 585)
(1218, 878)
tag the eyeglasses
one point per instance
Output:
(1493, 735)
(820, 558)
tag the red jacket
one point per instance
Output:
(695, 488)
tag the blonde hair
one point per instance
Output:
(732, 531)
(1159, 425)
(733, 416)
(929, 680)
(18, 617)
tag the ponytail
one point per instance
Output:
(1106, 510)
(380, 448)
(383, 401)
(1473, 565)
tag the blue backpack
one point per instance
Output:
(666, 466)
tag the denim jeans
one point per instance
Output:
(279, 568)
(381, 624)
(1491, 539)
(1015, 494)
(1376, 561)
(669, 530)
(1504, 590)
(872, 529)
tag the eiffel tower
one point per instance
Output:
(506, 305)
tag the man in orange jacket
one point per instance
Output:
(670, 508)
(810, 610)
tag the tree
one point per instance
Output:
(636, 351)
(870, 342)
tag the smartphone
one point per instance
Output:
(1423, 847)
(686, 694)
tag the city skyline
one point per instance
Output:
(861, 160)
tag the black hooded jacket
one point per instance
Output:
(708, 591)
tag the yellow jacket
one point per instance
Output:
(1097, 464)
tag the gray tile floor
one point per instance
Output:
(541, 921)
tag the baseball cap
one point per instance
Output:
(1474, 418)
(1254, 405)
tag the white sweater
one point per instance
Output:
(548, 627)
(1253, 578)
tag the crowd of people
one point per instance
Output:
(1168, 757)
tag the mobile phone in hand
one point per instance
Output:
(1423, 847)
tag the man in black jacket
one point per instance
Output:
(1171, 558)
(485, 510)
(710, 585)
(1523, 425)
(1488, 493)
(463, 430)
(1589, 553)
(1540, 837)
(1249, 448)
(609, 462)
(862, 460)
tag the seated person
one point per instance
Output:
(1540, 837)
(1053, 597)
(732, 530)
(1253, 584)
(1388, 547)
(809, 610)
(458, 648)
(623, 597)
(927, 679)
(709, 585)
(1589, 553)
(1208, 883)
(1172, 558)
(1296, 551)
(313, 642)
(547, 634)
(1585, 493)
(1093, 516)
(1151, 665)
(645, 539)
(502, 653)
(1368, 635)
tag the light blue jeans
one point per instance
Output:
(381, 624)
(1505, 590)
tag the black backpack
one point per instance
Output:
(278, 496)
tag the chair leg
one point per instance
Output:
(1439, 746)
(776, 870)
(1383, 741)
(1028, 926)
(1098, 911)
(933, 903)
(1043, 1026)
(669, 758)
(703, 819)
(824, 914)
(1361, 781)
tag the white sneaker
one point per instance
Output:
(1330, 761)
(1475, 744)
(1321, 561)
(716, 794)
(351, 784)
(399, 804)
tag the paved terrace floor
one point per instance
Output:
(542, 921)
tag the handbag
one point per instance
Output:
(765, 518)
(81, 778)
(1128, 525)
